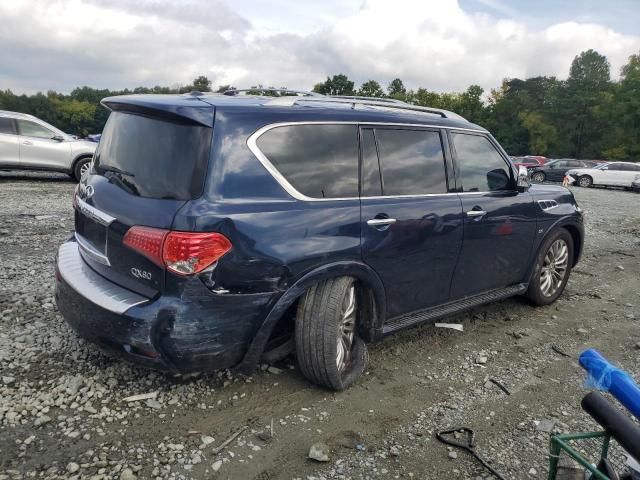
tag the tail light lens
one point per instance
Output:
(184, 253)
(147, 241)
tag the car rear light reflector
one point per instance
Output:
(184, 253)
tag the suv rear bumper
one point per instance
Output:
(197, 331)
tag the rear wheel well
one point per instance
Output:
(368, 316)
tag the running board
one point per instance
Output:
(451, 308)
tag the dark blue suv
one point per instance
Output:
(218, 231)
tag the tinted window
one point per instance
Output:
(7, 126)
(480, 166)
(319, 161)
(153, 158)
(371, 182)
(31, 129)
(411, 161)
(616, 166)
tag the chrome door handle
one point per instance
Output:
(27, 142)
(476, 213)
(380, 222)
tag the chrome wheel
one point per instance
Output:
(584, 181)
(554, 268)
(84, 168)
(538, 177)
(346, 328)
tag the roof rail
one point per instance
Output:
(360, 97)
(368, 102)
(233, 92)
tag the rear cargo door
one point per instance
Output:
(147, 166)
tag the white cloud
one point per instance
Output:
(436, 44)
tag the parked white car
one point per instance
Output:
(614, 174)
(28, 143)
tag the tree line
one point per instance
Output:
(588, 115)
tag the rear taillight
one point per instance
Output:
(147, 241)
(184, 253)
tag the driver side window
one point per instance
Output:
(31, 129)
(480, 167)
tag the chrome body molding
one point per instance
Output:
(89, 250)
(95, 288)
(94, 214)
(291, 190)
(547, 204)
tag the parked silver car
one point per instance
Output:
(28, 143)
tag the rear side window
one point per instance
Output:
(31, 129)
(411, 162)
(7, 126)
(319, 161)
(480, 167)
(153, 158)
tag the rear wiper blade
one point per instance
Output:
(116, 170)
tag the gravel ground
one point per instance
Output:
(63, 413)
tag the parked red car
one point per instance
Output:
(529, 161)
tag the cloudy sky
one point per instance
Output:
(443, 45)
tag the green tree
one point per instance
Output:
(202, 84)
(396, 89)
(371, 88)
(336, 85)
(584, 99)
(625, 137)
(541, 134)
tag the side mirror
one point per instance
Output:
(58, 138)
(524, 181)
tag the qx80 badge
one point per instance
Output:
(136, 272)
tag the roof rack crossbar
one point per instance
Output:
(233, 92)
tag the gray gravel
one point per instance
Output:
(63, 413)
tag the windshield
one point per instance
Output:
(153, 158)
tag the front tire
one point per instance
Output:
(330, 353)
(585, 181)
(538, 177)
(552, 268)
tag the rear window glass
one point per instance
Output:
(153, 158)
(412, 162)
(319, 161)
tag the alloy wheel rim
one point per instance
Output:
(538, 177)
(84, 168)
(584, 182)
(346, 329)
(554, 268)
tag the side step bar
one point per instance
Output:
(451, 308)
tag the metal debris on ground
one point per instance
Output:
(500, 386)
(444, 436)
(559, 351)
(224, 444)
(452, 326)
(140, 396)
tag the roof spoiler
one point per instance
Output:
(190, 111)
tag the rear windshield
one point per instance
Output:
(153, 158)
